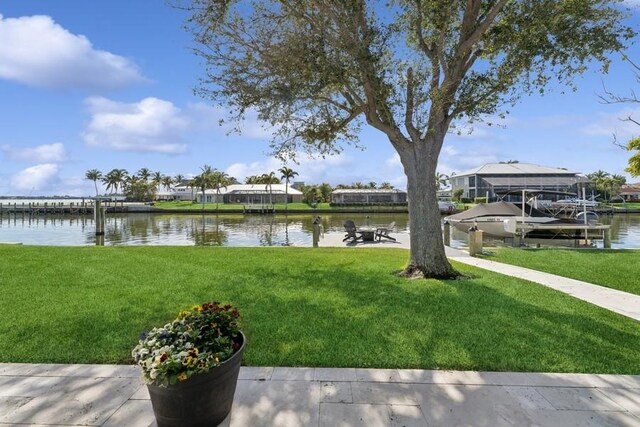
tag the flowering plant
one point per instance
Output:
(196, 341)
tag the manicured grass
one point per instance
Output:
(613, 268)
(279, 207)
(183, 204)
(628, 205)
(335, 307)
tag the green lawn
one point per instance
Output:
(183, 204)
(628, 205)
(301, 307)
(613, 268)
(280, 207)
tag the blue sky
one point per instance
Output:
(88, 84)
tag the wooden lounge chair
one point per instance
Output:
(384, 232)
(350, 228)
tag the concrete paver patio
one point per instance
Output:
(113, 395)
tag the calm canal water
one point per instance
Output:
(228, 230)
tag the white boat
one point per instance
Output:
(578, 202)
(500, 219)
(446, 206)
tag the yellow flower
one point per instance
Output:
(182, 376)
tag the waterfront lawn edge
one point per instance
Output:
(317, 307)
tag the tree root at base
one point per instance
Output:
(414, 272)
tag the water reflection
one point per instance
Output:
(227, 230)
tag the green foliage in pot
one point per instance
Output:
(198, 340)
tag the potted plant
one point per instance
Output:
(191, 365)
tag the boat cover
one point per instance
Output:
(488, 209)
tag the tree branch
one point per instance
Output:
(408, 116)
(468, 42)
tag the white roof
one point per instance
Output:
(514, 169)
(254, 188)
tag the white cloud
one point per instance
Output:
(39, 52)
(609, 124)
(46, 153)
(460, 156)
(36, 178)
(151, 125)
(205, 116)
(310, 170)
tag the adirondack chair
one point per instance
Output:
(384, 232)
(350, 228)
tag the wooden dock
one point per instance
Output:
(57, 208)
(260, 209)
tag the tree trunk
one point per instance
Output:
(427, 254)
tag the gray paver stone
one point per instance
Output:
(28, 386)
(381, 393)
(528, 397)
(378, 375)
(255, 373)
(446, 405)
(293, 374)
(543, 418)
(407, 416)
(275, 403)
(339, 392)
(335, 374)
(354, 415)
(584, 399)
(629, 399)
(77, 400)
(134, 413)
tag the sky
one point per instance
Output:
(109, 84)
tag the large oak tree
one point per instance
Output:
(318, 70)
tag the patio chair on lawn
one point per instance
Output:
(384, 231)
(350, 228)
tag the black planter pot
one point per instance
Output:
(202, 400)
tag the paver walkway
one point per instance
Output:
(612, 299)
(113, 395)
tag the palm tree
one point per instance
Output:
(269, 179)
(253, 179)
(614, 182)
(441, 180)
(386, 186)
(204, 181)
(144, 174)
(219, 179)
(287, 175)
(178, 179)
(157, 178)
(372, 184)
(115, 179)
(167, 182)
(599, 178)
(94, 175)
(325, 191)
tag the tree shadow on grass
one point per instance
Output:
(491, 322)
